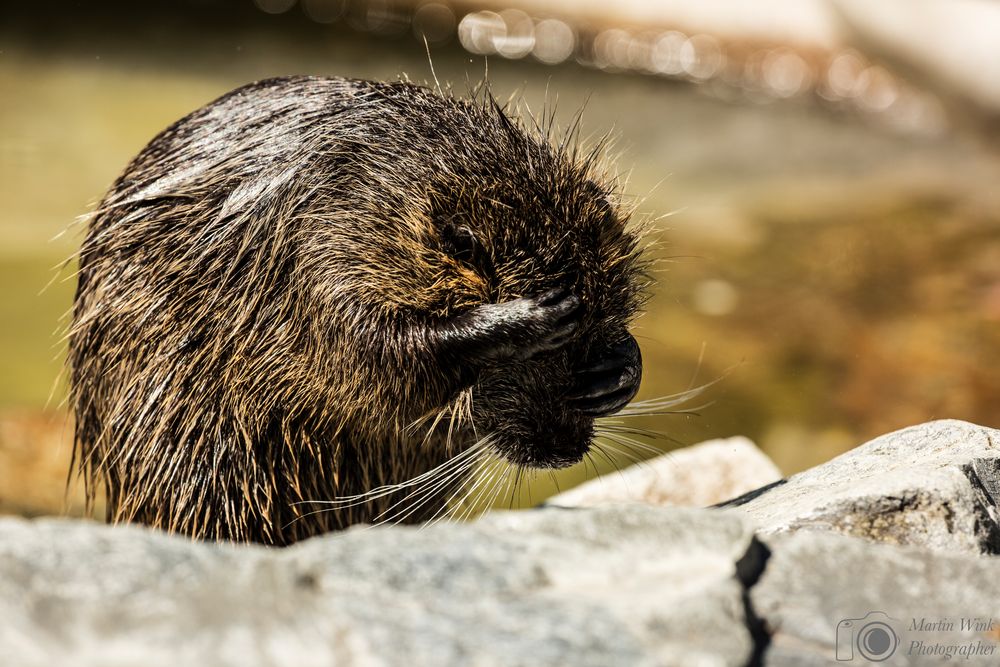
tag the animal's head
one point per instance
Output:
(541, 218)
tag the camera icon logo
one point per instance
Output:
(871, 637)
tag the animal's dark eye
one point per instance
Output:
(460, 243)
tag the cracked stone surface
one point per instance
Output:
(697, 476)
(820, 591)
(636, 586)
(934, 485)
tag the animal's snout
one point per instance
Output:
(606, 384)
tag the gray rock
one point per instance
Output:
(822, 591)
(933, 485)
(697, 476)
(636, 586)
(631, 585)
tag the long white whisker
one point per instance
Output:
(427, 492)
(485, 485)
(636, 444)
(631, 457)
(476, 479)
(499, 488)
(611, 460)
(492, 482)
(515, 492)
(448, 508)
(624, 434)
(382, 491)
(634, 430)
(663, 404)
(419, 496)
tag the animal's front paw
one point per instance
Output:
(517, 329)
(544, 322)
(606, 385)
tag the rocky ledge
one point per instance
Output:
(885, 553)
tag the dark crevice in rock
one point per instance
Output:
(749, 569)
(985, 474)
(984, 477)
(750, 495)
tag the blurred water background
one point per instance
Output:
(826, 189)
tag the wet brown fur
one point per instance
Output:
(257, 290)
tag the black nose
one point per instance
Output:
(605, 385)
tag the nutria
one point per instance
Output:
(315, 288)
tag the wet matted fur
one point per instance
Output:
(313, 288)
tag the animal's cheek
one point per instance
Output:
(453, 289)
(470, 287)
